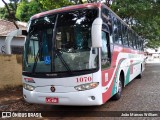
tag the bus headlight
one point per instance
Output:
(86, 86)
(28, 87)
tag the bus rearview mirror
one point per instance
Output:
(97, 33)
(24, 32)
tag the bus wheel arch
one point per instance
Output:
(117, 96)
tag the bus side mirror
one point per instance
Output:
(97, 33)
(24, 32)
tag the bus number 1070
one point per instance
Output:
(84, 79)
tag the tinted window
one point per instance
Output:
(117, 36)
(130, 38)
(107, 19)
(125, 35)
(134, 41)
(104, 53)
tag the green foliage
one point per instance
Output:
(4, 13)
(143, 16)
(84, 1)
(26, 9)
(153, 44)
(22, 11)
(52, 4)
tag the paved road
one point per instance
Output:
(140, 95)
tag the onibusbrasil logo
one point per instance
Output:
(20, 114)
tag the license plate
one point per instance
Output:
(52, 100)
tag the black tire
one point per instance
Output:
(140, 75)
(118, 95)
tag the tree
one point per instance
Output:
(142, 16)
(107, 2)
(11, 8)
(53, 4)
(26, 9)
(4, 13)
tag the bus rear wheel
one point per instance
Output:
(117, 96)
(140, 75)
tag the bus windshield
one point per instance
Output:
(61, 42)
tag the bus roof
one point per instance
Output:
(68, 8)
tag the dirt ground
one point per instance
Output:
(14, 100)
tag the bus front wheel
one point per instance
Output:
(117, 96)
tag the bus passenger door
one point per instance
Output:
(105, 56)
(107, 70)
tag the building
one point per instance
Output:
(152, 54)
(17, 42)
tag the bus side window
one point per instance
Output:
(141, 43)
(137, 42)
(125, 36)
(117, 35)
(130, 39)
(115, 31)
(134, 41)
(105, 57)
(107, 18)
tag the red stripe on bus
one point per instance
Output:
(107, 95)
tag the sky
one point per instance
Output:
(1, 3)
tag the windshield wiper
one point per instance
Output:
(63, 61)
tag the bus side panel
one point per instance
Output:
(135, 61)
(109, 76)
(123, 59)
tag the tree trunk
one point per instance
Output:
(11, 15)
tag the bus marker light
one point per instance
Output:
(29, 80)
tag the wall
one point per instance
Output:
(10, 70)
(2, 39)
(16, 41)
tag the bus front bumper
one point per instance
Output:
(79, 98)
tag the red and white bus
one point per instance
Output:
(79, 55)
